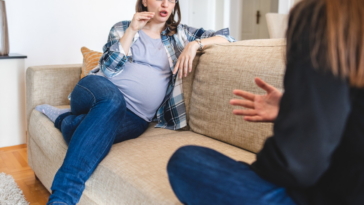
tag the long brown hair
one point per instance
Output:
(336, 35)
(171, 23)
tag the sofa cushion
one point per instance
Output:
(40, 124)
(223, 68)
(134, 172)
(90, 60)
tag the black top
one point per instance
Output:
(317, 150)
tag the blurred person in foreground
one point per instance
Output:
(316, 155)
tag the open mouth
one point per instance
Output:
(163, 13)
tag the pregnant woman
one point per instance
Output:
(135, 83)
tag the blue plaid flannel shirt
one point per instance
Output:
(172, 112)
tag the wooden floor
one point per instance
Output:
(14, 161)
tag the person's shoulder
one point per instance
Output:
(183, 26)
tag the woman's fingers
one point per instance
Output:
(147, 15)
(181, 67)
(145, 12)
(249, 112)
(253, 119)
(144, 16)
(176, 67)
(242, 103)
(185, 71)
(244, 94)
(184, 65)
(265, 86)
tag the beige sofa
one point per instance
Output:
(134, 172)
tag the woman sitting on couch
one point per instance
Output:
(132, 86)
(315, 156)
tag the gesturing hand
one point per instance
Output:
(140, 19)
(261, 108)
(184, 62)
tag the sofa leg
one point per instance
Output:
(36, 177)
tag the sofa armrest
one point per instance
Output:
(50, 84)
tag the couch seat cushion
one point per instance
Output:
(134, 172)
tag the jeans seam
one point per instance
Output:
(89, 92)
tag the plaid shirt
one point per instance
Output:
(172, 112)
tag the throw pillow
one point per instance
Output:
(90, 60)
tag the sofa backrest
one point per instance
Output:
(221, 69)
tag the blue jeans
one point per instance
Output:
(201, 176)
(98, 119)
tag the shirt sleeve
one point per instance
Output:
(194, 33)
(113, 59)
(310, 124)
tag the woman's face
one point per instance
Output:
(162, 9)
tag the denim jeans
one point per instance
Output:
(201, 176)
(98, 119)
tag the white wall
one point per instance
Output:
(53, 31)
(184, 6)
(209, 14)
(202, 13)
(235, 18)
(219, 24)
(286, 5)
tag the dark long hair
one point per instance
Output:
(336, 35)
(171, 23)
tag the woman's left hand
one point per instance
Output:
(184, 62)
(261, 108)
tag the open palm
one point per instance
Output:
(260, 108)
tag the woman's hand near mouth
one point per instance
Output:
(140, 19)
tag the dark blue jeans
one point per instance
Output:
(98, 119)
(201, 176)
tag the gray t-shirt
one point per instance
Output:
(144, 81)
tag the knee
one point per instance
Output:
(103, 91)
(66, 129)
(183, 158)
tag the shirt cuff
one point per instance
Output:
(225, 33)
(117, 47)
(229, 38)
